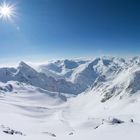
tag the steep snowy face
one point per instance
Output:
(27, 74)
(97, 70)
(61, 69)
(134, 82)
(124, 83)
(7, 74)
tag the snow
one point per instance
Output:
(71, 99)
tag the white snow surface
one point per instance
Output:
(96, 99)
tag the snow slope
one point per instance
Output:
(71, 99)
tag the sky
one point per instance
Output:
(57, 29)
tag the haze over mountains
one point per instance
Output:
(71, 99)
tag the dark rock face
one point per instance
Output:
(71, 133)
(10, 131)
(7, 88)
(115, 121)
(50, 134)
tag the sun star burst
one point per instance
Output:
(7, 11)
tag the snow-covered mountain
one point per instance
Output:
(26, 74)
(71, 99)
(114, 76)
(90, 73)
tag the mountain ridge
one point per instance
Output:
(75, 77)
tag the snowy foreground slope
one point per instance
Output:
(71, 99)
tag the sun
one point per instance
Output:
(7, 11)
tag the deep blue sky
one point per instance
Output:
(71, 28)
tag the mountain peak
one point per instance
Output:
(25, 67)
(22, 63)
